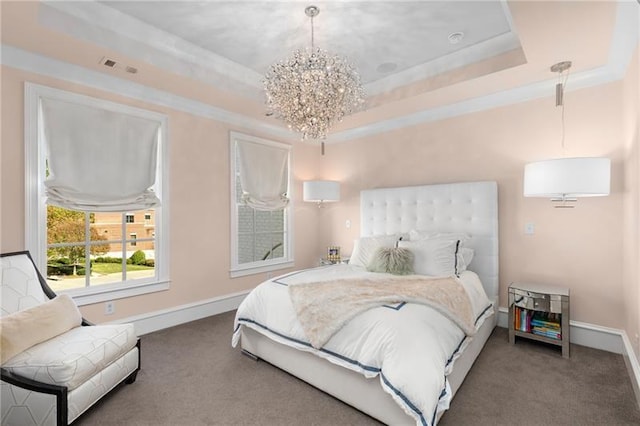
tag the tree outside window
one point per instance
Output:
(66, 227)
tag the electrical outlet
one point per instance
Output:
(529, 229)
(109, 308)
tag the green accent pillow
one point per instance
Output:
(394, 260)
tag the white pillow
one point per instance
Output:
(364, 248)
(465, 256)
(434, 257)
(24, 329)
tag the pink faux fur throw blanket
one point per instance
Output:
(323, 308)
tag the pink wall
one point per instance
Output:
(580, 248)
(631, 223)
(199, 190)
(590, 248)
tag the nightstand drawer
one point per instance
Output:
(530, 300)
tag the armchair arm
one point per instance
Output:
(60, 392)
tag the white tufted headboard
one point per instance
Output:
(469, 207)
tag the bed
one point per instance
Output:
(469, 208)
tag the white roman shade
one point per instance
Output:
(263, 175)
(99, 160)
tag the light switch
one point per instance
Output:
(347, 224)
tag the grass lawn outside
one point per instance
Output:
(111, 268)
(101, 273)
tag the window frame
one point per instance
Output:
(237, 269)
(35, 199)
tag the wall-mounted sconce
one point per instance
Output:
(321, 191)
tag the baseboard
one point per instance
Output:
(633, 366)
(584, 334)
(598, 337)
(159, 320)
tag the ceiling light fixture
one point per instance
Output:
(455, 38)
(565, 179)
(312, 89)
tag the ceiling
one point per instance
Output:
(391, 44)
(216, 52)
(253, 35)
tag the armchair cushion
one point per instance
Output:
(71, 358)
(24, 329)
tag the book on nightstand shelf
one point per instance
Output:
(541, 323)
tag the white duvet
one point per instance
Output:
(411, 347)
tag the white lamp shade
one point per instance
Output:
(568, 178)
(321, 191)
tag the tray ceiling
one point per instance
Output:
(209, 57)
(232, 43)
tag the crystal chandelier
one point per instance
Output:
(312, 89)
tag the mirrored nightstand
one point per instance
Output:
(325, 261)
(539, 312)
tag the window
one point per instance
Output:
(92, 255)
(80, 241)
(260, 239)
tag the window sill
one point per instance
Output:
(88, 296)
(241, 272)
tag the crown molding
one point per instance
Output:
(624, 42)
(516, 95)
(137, 39)
(32, 62)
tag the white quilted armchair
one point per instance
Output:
(55, 365)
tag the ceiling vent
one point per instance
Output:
(115, 65)
(108, 62)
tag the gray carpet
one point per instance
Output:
(191, 376)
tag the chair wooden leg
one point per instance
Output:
(132, 378)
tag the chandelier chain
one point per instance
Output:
(312, 34)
